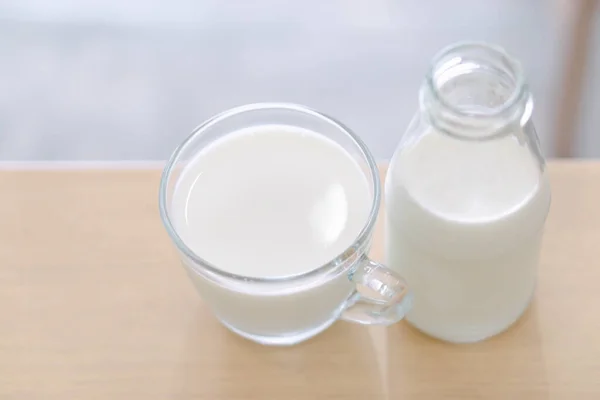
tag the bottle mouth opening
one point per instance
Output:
(476, 81)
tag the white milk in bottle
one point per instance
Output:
(467, 197)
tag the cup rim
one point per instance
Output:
(212, 269)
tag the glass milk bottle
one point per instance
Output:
(467, 196)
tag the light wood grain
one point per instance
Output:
(94, 305)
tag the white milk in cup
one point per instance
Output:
(272, 209)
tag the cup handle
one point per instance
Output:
(381, 296)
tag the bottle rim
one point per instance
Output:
(518, 105)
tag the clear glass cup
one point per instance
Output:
(285, 311)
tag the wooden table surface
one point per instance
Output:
(94, 305)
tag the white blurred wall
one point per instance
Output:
(112, 80)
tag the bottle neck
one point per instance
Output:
(475, 92)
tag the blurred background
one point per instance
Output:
(128, 80)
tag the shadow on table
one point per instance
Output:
(341, 362)
(508, 366)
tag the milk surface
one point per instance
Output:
(265, 202)
(464, 226)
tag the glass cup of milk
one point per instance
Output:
(272, 209)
